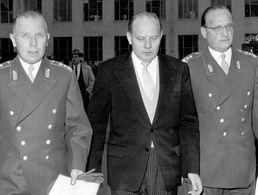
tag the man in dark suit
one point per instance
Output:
(154, 131)
(84, 76)
(224, 84)
(44, 129)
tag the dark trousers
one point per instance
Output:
(85, 98)
(153, 183)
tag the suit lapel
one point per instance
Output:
(168, 76)
(128, 81)
(41, 87)
(235, 76)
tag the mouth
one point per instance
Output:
(33, 52)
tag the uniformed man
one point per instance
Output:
(84, 76)
(224, 84)
(44, 129)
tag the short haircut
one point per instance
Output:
(29, 14)
(209, 9)
(148, 14)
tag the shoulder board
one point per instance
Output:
(191, 56)
(247, 53)
(60, 64)
(5, 64)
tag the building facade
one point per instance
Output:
(98, 27)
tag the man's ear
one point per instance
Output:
(12, 37)
(129, 38)
(48, 37)
(203, 32)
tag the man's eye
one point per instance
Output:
(154, 38)
(25, 36)
(140, 38)
(39, 36)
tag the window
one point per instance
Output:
(62, 48)
(162, 47)
(6, 11)
(157, 6)
(32, 5)
(92, 10)
(63, 10)
(123, 9)
(187, 44)
(6, 50)
(121, 45)
(93, 48)
(226, 3)
(251, 8)
(187, 9)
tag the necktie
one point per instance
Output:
(31, 69)
(75, 70)
(148, 83)
(224, 65)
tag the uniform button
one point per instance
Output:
(245, 106)
(54, 111)
(224, 133)
(243, 119)
(147, 149)
(151, 130)
(241, 110)
(221, 120)
(249, 93)
(48, 142)
(23, 143)
(11, 112)
(210, 94)
(18, 128)
(242, 133)
(50, 126)
(47, 157)
(218, 108)
(25, 158)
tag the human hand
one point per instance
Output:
(74, 175)
(92, 177)
(196, 184)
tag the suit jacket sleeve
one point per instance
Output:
(255, 103)
(189, 128)
(99, 109)
(78, 128)
(91, 80)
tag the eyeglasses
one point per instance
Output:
(219, 29)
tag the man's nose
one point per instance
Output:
(147, 43)
(33, 41)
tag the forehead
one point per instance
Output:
(145, 25)
(30, 24)
(218, 17)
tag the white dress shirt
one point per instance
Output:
(26, 65)
(216, 55)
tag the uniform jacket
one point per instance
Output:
(44, 130)
(225, 106)
(174, 130)
(88, 76)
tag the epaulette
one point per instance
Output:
(191, 56)
(60, 64)
(247, 53)
(5, 64)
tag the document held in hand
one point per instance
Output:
(63, 186)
